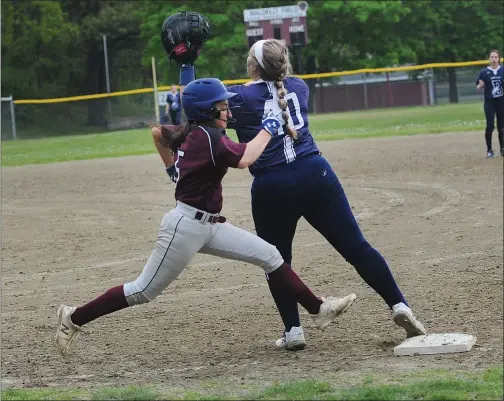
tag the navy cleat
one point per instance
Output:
(490, 154)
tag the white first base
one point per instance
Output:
(429, 344)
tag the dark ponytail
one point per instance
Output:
(173, 136)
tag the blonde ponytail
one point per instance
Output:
(283, 105)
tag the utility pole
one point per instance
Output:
(107, 77)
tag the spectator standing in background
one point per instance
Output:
(173, 105)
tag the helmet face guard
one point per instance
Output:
(200, 96)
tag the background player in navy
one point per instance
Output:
(492, 79)
(173, 106)
(202, 155)
(292, 180)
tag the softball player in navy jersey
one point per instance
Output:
(492, 79)
(292, 180)
(202, 155)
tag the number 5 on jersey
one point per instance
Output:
(180, 153)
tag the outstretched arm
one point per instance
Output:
(256, 146)
(254, 149)
(240, 155)
(186, 76)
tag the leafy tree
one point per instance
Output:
(343, 35)
(54, 48)
(450, 31)
(35, 37)
(120, 22)
(225, 52)
(346, 35)
(356, 34)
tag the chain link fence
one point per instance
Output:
(81, 117)
(466, 85)
(327, 95)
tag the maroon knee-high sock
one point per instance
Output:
(286, 279)
(111, 301)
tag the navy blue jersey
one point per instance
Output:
(253, 100)
(173, 99)
(494, 82)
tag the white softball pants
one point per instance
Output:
(181, 237)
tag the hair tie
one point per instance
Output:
(258, 52)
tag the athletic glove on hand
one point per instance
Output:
(183, 35)
(172, 172)
(271, 123)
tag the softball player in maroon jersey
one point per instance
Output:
(202, 155)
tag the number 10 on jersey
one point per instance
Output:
(294, 110)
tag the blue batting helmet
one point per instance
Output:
(199, 97)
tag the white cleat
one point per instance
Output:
(331, 308)
(67, 331)
(292, 340)
(403, 317)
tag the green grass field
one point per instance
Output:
(361, 124)
(483, 385)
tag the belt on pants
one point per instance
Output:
(210, 218)
(200, 215)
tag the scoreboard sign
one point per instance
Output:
(286, 23)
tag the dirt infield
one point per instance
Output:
(433, 205)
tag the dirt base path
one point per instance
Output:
(433, 205)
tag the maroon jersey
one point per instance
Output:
(201, 163)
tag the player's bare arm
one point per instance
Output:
(257, 145)
(254, 149)
(162, 146)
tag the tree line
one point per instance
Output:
(55, 48)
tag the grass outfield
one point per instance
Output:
(431, 385)
(361, 124)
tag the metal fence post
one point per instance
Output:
(13, 116)
(432, 88)
(389, 91)
(365, 92)
(154, 84)
(10, 99)
(107, 77)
